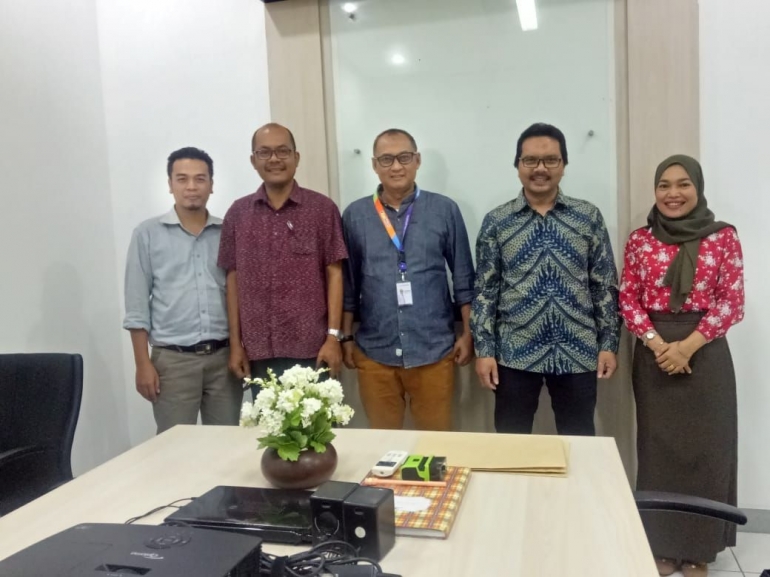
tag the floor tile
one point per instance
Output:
(725, 562)
(753, 552)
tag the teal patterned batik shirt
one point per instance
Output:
(546, 298)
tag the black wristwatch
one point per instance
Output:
(346, 339)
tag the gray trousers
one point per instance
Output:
(191, 383)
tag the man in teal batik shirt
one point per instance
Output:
(546, 304)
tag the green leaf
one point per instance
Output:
(289, 452)
(326, 437)
(318, 447)
(300, 439)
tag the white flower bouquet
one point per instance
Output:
(296, 411)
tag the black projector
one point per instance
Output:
(109, 550)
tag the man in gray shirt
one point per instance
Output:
(175, 302)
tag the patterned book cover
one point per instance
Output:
(429, 511)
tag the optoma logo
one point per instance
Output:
(153, 556)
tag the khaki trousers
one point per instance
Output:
(384, 389)
(191, 383)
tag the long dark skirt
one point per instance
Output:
(687, 440)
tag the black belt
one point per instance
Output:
(201, 348)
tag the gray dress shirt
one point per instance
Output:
(174, 288)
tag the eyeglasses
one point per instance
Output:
(387, 160)
(281, 153)
(534, 162)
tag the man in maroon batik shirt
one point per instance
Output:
(282, 248)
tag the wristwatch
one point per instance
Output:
(337, 334)
(648, 336)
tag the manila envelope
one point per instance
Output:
(526, 454)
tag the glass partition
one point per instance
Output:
(465, 78)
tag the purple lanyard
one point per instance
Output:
(399, 243)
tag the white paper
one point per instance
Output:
(412, 504)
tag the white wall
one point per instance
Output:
(177, 73)
(94, 96)
(735, 123)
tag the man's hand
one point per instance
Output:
(673, 360)
(608, 362)
(147, 381)
(347, 354)
(239, 361)
(463, 349)
(486, 369)
(331, 354)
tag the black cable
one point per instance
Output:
(173, 504)
(313, 562)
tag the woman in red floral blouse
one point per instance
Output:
(681, 290)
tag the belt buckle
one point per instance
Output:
(204, 349)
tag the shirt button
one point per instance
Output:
(199, 274)
(198, 255)
(402, 334)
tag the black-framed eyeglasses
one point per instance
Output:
(281, 153)
(387, 160)
(534, 161)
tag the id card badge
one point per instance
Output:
(404, 291)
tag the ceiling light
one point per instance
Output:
(398, 59)
(527, 14)
(349, 7)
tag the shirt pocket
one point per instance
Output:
(303, 245)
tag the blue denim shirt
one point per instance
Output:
(421, 334)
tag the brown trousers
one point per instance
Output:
(384, 389)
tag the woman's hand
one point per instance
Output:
(672, 359)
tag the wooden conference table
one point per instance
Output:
(584, 525)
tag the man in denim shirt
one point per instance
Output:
(400, 241)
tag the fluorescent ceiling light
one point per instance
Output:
(527, 14)
(398, 59)
(349, 7)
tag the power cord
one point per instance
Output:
(336, 558)
(173, 505)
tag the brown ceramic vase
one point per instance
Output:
(310, 470)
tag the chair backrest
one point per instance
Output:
(40, 396)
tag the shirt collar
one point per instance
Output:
(520, 203)
(407, 200)
(171, 217)
(295, 195)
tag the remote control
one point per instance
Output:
(389, 463)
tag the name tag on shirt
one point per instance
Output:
(404, 291)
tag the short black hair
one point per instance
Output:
(542, 129)
(273, 125)
(394, 132)
(192, 153)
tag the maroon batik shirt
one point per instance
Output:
(281, 258)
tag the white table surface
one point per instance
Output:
(584, 525)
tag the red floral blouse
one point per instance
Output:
(717, 287)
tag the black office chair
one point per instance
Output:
(39, 406)
(662, 501)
